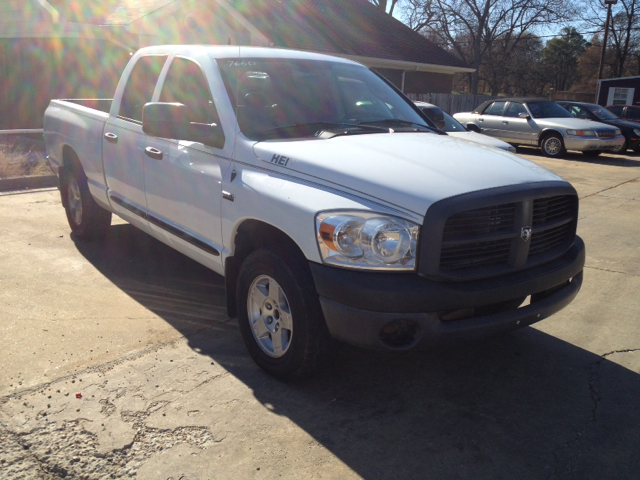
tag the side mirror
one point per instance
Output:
(436, 115)
(171, 120)
(526, 116)
(166, 120)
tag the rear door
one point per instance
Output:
(123, 142)
(491, 119)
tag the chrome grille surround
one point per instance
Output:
(605, 132)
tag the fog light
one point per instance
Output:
(400, 333)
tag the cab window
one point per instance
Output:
(185, 83)
(140, 85)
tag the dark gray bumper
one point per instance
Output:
(358, 305)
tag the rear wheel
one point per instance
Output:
(553, 146)
(280, 317)
(86, 218)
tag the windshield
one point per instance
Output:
(289, 98)
(548, 110)
(451, 124)
(603, 114)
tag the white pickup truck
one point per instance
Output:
(332, 206)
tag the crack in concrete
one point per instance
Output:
(609, 188)
(594, 392)
(611, 271)
(102, 368)
(626, 350)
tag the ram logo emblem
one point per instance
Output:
(525, 233)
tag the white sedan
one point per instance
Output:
(446, 122)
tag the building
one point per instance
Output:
(619, 91)
(77, 48)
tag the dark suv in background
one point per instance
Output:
(598, 113)
(631, 113)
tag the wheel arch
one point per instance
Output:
(252, 235)
(547, 131)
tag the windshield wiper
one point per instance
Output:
(391, 121)
(323, 126)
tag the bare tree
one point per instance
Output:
(624, 35)
(385, 4)
(480, 31)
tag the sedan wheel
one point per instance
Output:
(553, 146)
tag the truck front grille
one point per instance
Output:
(496, 239)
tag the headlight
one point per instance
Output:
(582, 133)
(636, 131)
(368, 241)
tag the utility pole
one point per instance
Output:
(608, 3)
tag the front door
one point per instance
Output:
(183, 179)
(518, 130)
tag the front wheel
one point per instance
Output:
(280, 317)
(553, 146)
(87, 219)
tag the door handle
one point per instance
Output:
(504, 122)
(153, 153)
(111, 137)
(481, 119)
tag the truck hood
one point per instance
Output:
(406, 170)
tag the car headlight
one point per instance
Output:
(636, 131)
(582, 133)
(366, 240)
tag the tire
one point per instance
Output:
(623, 149)
(87, 219)
(280, 317)
(592, 153)
(552, 146)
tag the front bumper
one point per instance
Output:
(592, 143)
(364, 308)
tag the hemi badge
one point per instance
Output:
(228, 196)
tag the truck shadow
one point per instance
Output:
(527, 405)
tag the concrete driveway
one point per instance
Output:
(118, 361)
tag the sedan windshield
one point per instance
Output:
(603, 114)
(291, 98)
(548, 110)
(451, 124)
